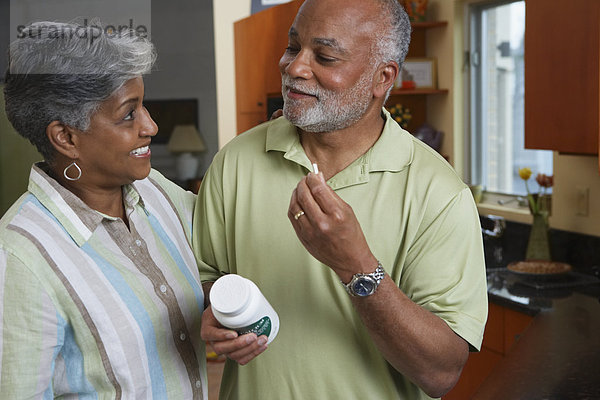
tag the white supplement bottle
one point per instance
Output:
(237, 303)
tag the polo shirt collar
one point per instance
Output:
(76, 217)
(392, 152)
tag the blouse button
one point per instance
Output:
(182, 336)
(198, 384)
(138, 242)
(163, 288)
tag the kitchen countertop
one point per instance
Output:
(558, 355)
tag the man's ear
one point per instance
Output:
(385, 77)
(62, 139)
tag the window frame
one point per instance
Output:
(472, 101)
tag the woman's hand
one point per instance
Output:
(241, 349)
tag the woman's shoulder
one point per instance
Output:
(157, 182)
(23, 223)
(14, 211)
(158, 191)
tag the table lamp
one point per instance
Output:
(186, 140)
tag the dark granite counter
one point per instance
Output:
(558, 355)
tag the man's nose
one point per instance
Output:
(297, 66)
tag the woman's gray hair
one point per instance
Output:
(64, 71)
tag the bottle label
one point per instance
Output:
(260, 327)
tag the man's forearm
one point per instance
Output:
(414, 341)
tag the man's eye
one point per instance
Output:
(326, 59)
(291, 49)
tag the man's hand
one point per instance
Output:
(328, 228)
(241, 349)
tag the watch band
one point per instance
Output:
(363, 285)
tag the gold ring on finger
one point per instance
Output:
(298, 215)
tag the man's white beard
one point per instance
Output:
(332, 111)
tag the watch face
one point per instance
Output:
(364, 286)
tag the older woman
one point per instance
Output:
(99, 290)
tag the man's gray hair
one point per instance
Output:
(393, 43)
(64, 71)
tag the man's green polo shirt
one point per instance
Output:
(419, 219)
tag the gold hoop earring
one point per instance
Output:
(73, 164)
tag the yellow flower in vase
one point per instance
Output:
(539, 203)
(525, 174)
(538, 246)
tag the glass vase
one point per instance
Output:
(538, 246)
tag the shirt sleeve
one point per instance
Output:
(445, 269)
(30, 335)
(209, 231)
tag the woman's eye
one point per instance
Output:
(130, 116)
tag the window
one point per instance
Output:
(496, 109)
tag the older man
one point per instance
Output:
(378, 272)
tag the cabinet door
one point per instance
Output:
(260, 41)
(515, 324)
(250, 58)
(282, 17)
(562, 75)
(493, 336)
(501, 331)
(476, 370)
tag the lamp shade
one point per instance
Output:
(185, 139)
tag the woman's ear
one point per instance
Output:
(385, 78)
(62, 138)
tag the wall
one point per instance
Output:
(16, 157)
(225, 14)
(182, 31)
(571, 172)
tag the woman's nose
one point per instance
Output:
(149, 127)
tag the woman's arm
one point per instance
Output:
(30, 335)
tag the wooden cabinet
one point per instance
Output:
(562, 70)
(260, 41)
(501, 331)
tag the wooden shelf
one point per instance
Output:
(428, 24)
(405, 92)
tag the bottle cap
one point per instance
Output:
(229, 294)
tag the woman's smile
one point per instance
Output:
(141, 152)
